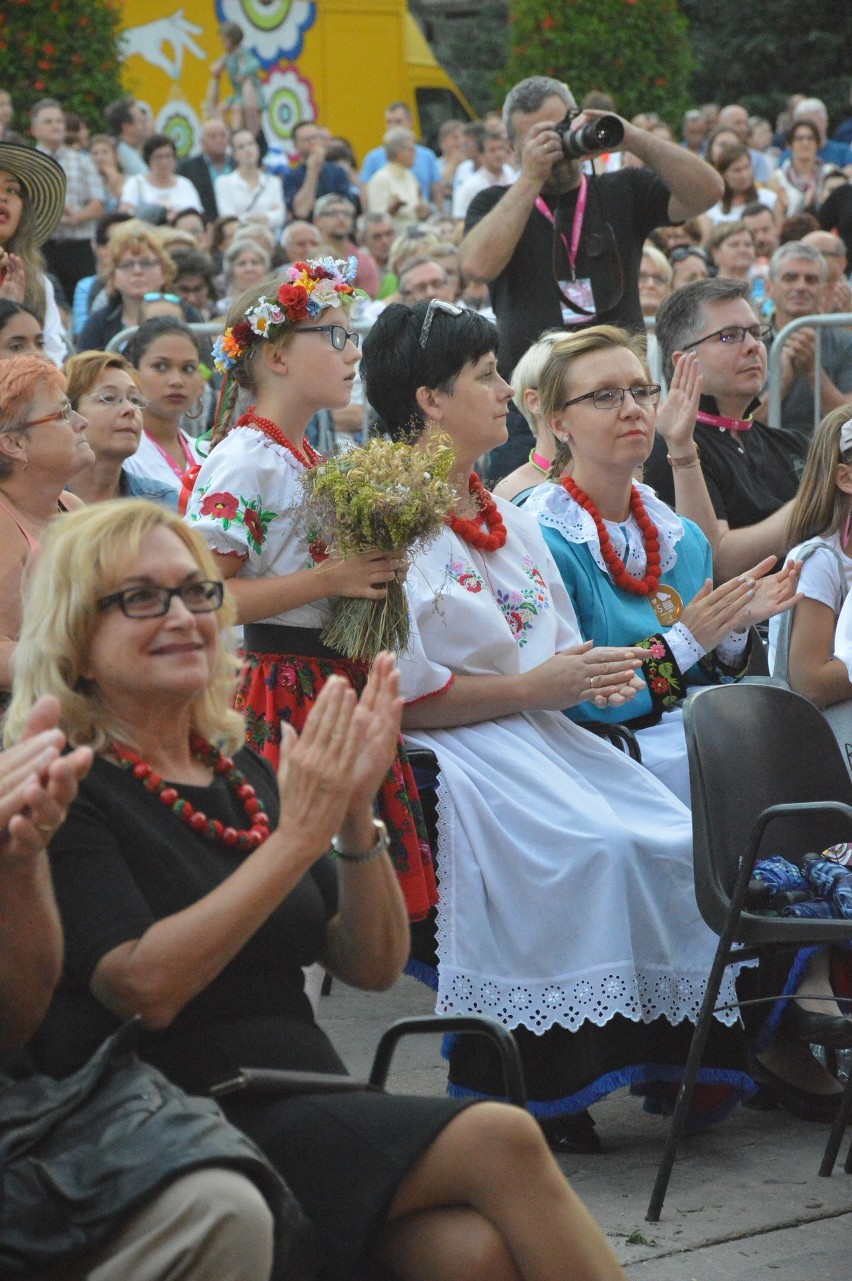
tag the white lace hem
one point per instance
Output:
(571, 1000)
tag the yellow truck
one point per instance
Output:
(337, 61)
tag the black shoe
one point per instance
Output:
(571, 1132)
(817, 1029)
(801, 1103)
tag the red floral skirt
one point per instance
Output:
(284, 687)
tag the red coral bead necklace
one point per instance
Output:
(307, 455)
(471, 531)
(637, 586)
(245, 840)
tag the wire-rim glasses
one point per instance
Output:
(612, 397)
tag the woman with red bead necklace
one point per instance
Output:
(193, 887)
(289, 345)
(567, 906)
(636, 572)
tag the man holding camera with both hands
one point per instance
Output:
(561, 249)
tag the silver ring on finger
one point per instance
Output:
(594, 682)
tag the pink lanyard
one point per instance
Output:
(728, 424)
(576, 226)
(187, 453)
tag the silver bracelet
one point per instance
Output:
(380, 847)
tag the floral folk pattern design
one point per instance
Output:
(231, 510)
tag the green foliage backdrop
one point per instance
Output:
(63, 49)
(636, 50)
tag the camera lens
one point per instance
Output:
(599, 135)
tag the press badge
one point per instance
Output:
(579, 292)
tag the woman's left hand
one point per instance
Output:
(377, 718)
(773, 593)
(676, 416)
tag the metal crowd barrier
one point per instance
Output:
(823, 321)
(208, 329)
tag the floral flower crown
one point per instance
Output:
(306, 289)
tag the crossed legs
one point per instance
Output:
(487, 1202)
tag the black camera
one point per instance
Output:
(599, 135)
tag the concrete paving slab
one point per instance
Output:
(745, 1202)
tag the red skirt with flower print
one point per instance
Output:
(283, 687)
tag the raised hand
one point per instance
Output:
(676, 416)
(315, 771)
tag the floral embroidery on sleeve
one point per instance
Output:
(231, 510)
(664, 678)
(720, 673)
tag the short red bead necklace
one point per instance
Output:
(638, 586)
(471, 531)
(212, 829)
(307, 455)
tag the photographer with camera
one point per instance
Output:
(561, 249)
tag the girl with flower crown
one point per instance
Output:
(567, 907)
(287, 342)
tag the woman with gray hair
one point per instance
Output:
(394, 189)
(245, 262)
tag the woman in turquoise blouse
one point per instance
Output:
(636, 572)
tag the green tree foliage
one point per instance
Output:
(759, 54)
(471, 47)
(63, 49)
(636, 50)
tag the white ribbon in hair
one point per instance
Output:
(846, 436)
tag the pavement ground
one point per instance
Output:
(745, 1202)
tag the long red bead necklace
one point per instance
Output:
(471, 531)
(212, 829)
(307, 455)
(638, 586)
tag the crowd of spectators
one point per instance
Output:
(685, 253)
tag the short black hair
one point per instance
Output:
(394, 364)
(106, 222)
(8, 309)
(154, 143)
(150, 330)
(118, 114)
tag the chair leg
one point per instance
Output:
(687, 1086)
(835, 1137)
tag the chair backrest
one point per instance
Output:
(750, 746)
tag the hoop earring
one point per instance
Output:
(197, 409)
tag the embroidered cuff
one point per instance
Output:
(724, 666)
(684, 647)
(662, 673)
(730, 650)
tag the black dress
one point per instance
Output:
(121, 862)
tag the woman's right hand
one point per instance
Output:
(315, 771)
(363, 575)
(12, 277)
(604, 675)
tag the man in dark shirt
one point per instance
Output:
(559, 250)
(212, 161)
(735, 476)
(314, 176)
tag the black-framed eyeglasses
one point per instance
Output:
(202, 597)
(337, 334)
(733, 334)
(436, 304)
(612, 397)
